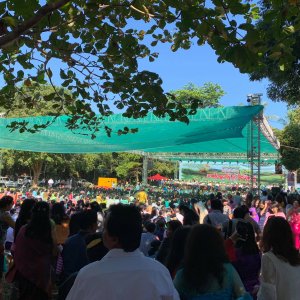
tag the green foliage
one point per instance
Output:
(129, 166)
(93, 48)
(289, 138)
(193, 96)
(125, 166)
(40, 100)
(279, 25)
(163, 168)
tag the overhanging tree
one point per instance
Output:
(289, 138)
(281, 25)
(92, 49)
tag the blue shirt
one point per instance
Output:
(74, 253)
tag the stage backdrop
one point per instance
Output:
(230, 173)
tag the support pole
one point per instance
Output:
(176, 170)
(254, 153)
(145, 169)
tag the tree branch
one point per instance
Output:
(22, 28)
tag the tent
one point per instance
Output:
(157, 177)
(210, 132)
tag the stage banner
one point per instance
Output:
(229, 173)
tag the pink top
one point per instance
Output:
(279, 214)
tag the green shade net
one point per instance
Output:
(210, 130)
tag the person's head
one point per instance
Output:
(39, 226)
(255, 202)
(296, 204)
(217, 205)
(6, 203)
(246, 241)
(278, 237)
(239, 213)
(95, 206)
(190, 217)
(172, 226)
(58, 212)
(183, 209)
(280, 198)
(225, 202)
(176, 252)
(245, 210)
(74, 224)
(261, 204)
(88, 221)
(24, 214)
(122, 228)
(154, 246)
(204, 256)
(26, 209)
(150, 227)
(275, 207)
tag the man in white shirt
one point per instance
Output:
(50, 182)
(124, 273)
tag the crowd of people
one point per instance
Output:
(150, 243)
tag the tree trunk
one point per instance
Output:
(37, 169)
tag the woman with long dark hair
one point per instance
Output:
(24, 215)
(174, 260)
(33, 254)
(274, 210)
(61, 220)
(280, 271)
(206, 273)
(243, 253)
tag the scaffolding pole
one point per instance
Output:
(254, 144)
(145, 168)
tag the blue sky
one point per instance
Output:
(199, 65)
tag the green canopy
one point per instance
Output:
(211, 130)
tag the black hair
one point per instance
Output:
(125, 223)
(150, 227)
(239, 213)
(249, 245)
(219, 196)
(58, 213)
(24, 215)
(194, 200)
(39, 226)
(204, 257)
(6, 201)
(278, 237)
(183, 208)
(74, 224)
(216, 205)
(154, 246)
(95, 206)
(175, 255)
(190, 217)
(88, 219)
(173, 225)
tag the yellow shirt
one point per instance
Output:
(141, 196)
